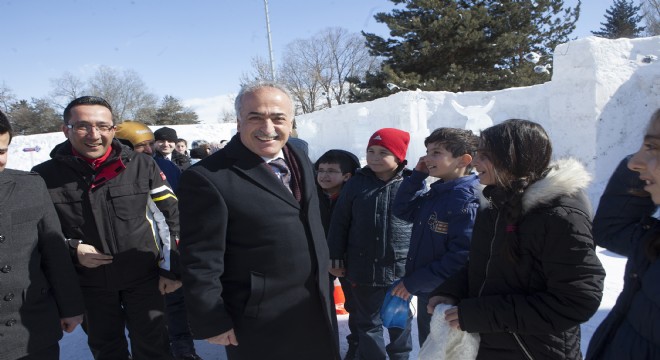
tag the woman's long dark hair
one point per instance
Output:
(520, 151)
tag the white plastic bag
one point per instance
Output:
(445, 343)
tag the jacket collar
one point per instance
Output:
(566, 177)
(462, 182)
(253, 166)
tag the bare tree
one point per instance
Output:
(316, 69)
(125, 91)
(301, 72)
(651, 11)
(347, 57)
(66, 88)
(6, 98)
(260, 71)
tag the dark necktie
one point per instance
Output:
(282, 171)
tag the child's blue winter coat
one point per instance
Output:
(442, 218)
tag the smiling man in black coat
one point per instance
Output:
(254, 256)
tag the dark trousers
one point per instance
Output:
(423, 319)
(181, 340)
(367, 301)
(139, 309)
(50, 353)
(347, 288)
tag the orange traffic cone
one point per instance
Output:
(338, 294)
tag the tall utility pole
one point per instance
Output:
(270, 43)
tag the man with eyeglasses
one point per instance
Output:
(100, 190)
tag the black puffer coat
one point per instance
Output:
(531, 308)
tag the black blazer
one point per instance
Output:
(254, 259)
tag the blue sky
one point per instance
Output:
(185, 48)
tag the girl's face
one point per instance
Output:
(647, 161)
(381, 161)
(484, 168)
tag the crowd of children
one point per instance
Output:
(502, 235)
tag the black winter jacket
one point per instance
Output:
(631, 330)
(619, 211)
(531, 308)
(364, 232)
(111, 214)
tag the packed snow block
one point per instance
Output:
(595, 108)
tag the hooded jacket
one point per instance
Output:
(364, 232)
(111, 214)
(531, 307)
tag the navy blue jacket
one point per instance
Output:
(365, 233)
(620, 208)
(442, 219)
(631, 330)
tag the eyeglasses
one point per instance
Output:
(85, 128)
(329, 172)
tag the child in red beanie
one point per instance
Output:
(368, 245)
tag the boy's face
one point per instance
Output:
(442, 164)
(330, 178)
(381, 161)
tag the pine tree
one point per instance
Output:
(622, 19)
(466, 45)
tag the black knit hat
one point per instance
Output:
(165, 133)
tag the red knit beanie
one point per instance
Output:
(394, 140)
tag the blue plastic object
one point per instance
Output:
(395, 310)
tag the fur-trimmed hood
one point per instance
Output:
(566, 177)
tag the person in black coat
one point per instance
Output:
(631, 329)
(253, 251)
(165, 146)
(101, 191)
(532, 276)
(623, 203)
(40, 291)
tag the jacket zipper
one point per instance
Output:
(524, 349)
(490, 254)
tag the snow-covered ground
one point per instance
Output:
(595, 108)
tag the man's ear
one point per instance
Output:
(346, 176)
(65, 130)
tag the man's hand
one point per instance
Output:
(435, 300)
(451, 316)
(225, 339)
(338, 272)
(401, 291)
(69, 324)
(89, 256)
(167, 286)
